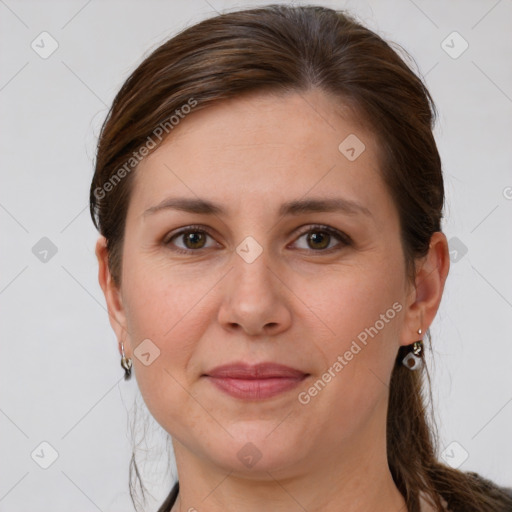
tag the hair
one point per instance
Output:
(281, 49)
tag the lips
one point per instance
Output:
(257, 371)
(255, 382)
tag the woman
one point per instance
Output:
(269, 196)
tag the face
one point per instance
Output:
(299, 264)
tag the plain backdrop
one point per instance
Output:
(60, 378)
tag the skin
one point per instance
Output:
(294, 304)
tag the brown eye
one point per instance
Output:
(194, 239)
(320, 238)
(188, 240)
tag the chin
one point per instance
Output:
(256, 450)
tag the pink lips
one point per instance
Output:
(255, 382)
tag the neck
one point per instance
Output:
(353, 476)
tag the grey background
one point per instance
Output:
(60, 378)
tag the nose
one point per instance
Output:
(255, 300)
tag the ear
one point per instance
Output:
(116, 313)
(425, 296)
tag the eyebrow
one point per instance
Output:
(296, 207)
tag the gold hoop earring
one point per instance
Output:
(126, 363)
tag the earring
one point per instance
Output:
(417, 346)
(126, 363)
(413, 359)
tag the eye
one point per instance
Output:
(319, 238)
(193, 237)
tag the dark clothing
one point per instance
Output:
(171, 499)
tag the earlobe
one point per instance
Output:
(111, 291)
(427, 293)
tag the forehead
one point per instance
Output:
(264, 148)
(303, 123)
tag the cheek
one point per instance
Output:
(364, 311)
(355, 302)
(169, 308)
(159, 297)
(362, 308)
(158, 313)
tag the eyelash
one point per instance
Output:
(341, 237)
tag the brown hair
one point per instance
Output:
(280, 49)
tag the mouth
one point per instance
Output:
(255, 382)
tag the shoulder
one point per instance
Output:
(485, 486)
(490, 485)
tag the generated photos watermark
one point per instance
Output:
(157, 136)
(342, 360)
